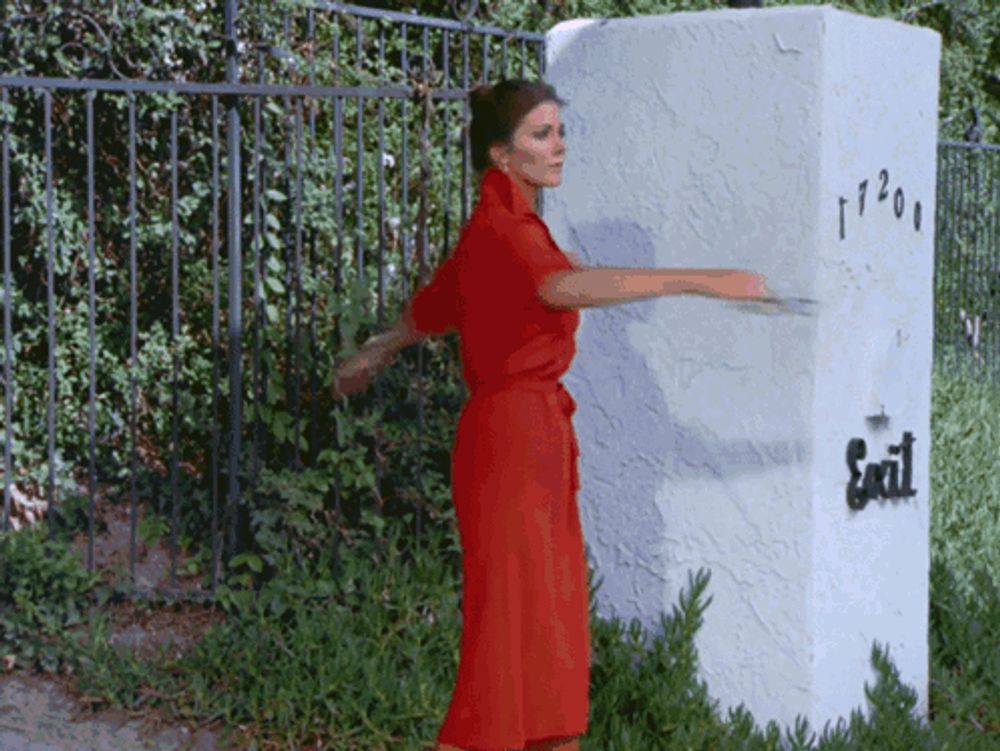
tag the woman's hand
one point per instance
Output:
(741, 285)
(355, 373)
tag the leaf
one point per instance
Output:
(252, 561)
(342, 429)
(275, 284)
(370, 517)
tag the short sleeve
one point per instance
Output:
(535, 255)
(433, 308)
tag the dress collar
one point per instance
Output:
(500, 187)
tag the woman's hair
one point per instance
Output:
(498, 109)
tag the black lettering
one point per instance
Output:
(890, 470)
(873, 481)
(856, 497)
(873, 484)
(908, 440)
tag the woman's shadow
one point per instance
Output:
(676, 396)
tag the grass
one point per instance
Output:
(367, 661)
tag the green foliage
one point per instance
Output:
(369, 659)
(318, 657)
(965, 487)
(43, 590)
(624, 670)
(652, 697)
(964, 633)
(965, 559)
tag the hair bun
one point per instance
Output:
(481, 97)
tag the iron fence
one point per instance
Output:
(967, 254)
(294, 253)
(290, 200)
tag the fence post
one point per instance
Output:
(235, 272)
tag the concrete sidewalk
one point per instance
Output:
(36, 714)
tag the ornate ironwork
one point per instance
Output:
(47, 18)
(464, 10)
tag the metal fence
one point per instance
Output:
(289, 199)
(294, 251)
(967, 254)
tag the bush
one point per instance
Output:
(43, 590)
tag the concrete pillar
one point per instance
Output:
(801, 143)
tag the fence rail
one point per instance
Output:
(225, 89)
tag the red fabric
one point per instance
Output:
(524, 656)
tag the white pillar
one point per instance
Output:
(711, 438)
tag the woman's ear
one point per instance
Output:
(497, 153)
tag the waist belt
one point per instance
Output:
(563, 399)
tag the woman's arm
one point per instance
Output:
(592, 287)
(355, 373)
(399, 336)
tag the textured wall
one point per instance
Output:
(728, 139)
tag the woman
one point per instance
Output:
(512, 295)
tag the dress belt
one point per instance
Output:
(565, 401)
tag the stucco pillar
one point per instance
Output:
(799, 142)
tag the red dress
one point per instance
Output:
(524, 657)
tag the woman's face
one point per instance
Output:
(538, 150)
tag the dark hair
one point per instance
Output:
(498, 109)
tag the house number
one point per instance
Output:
(898, 202)
(872, 483)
